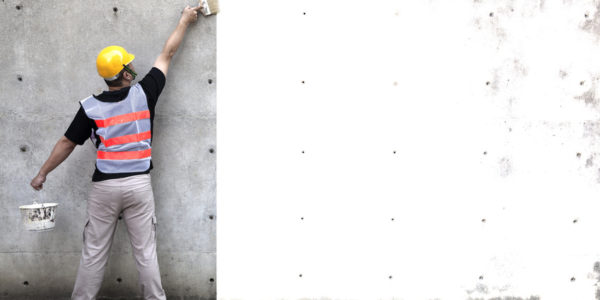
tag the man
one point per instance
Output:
(120, 123)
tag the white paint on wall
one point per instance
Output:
(451, 145)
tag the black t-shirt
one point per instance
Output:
(81, 127)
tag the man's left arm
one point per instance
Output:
(61, 151)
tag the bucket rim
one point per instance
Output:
(38, 205)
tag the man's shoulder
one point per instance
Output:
(153, 84)
(153, 77)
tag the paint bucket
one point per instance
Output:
(39, 216)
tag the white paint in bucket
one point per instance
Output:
(39, 216)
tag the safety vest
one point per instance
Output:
(124, 130)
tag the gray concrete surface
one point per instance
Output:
(48, 51)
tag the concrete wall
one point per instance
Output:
(409, 149)
(47, 58)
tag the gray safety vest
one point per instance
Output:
(124, 130)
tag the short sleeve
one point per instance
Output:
(153, 84)
(80, 129)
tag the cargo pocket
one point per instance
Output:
(154, 228)
(87, 222)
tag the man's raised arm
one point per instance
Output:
(188, 16)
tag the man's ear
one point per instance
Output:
(127, 76)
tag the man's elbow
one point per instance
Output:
(67, 143)
(166, 56)
(170, 54)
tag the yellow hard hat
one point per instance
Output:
(111, 60)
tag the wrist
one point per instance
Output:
(183, 22)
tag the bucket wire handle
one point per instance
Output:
(41, 199)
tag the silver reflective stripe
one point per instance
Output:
(123, 166)
(135, 102)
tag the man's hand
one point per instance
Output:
(190, 14)
(38, 182)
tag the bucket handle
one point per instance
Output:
(41, 199)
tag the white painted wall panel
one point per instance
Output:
(408, 150)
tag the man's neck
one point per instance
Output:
(116, 88)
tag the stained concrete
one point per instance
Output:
(48, 51)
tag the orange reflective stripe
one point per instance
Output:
(130, 117)
(130, 138)
(124, 155)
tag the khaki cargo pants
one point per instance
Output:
(132, 196)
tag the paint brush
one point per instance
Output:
(209, 7)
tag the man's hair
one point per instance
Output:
(117, 82)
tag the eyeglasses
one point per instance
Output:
(128, 69)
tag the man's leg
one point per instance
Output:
(104, 205)
(138, 214)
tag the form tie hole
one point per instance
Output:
(211, 217)
(115, 9)
(211, 150)
(575, 221)
(487, 83)
(300, 275)
(20, 78)
(119, 279)
(302, 151)
(210, 81)
(25, 283)
(572, 279)
(18, 7)
(483, 220)
(212, 280)
(578, 155)
(23, 148)
(390, 277)
(582, 82)
(491, 14)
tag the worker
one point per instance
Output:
(119, 123)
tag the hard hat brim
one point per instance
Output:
(129, 59)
